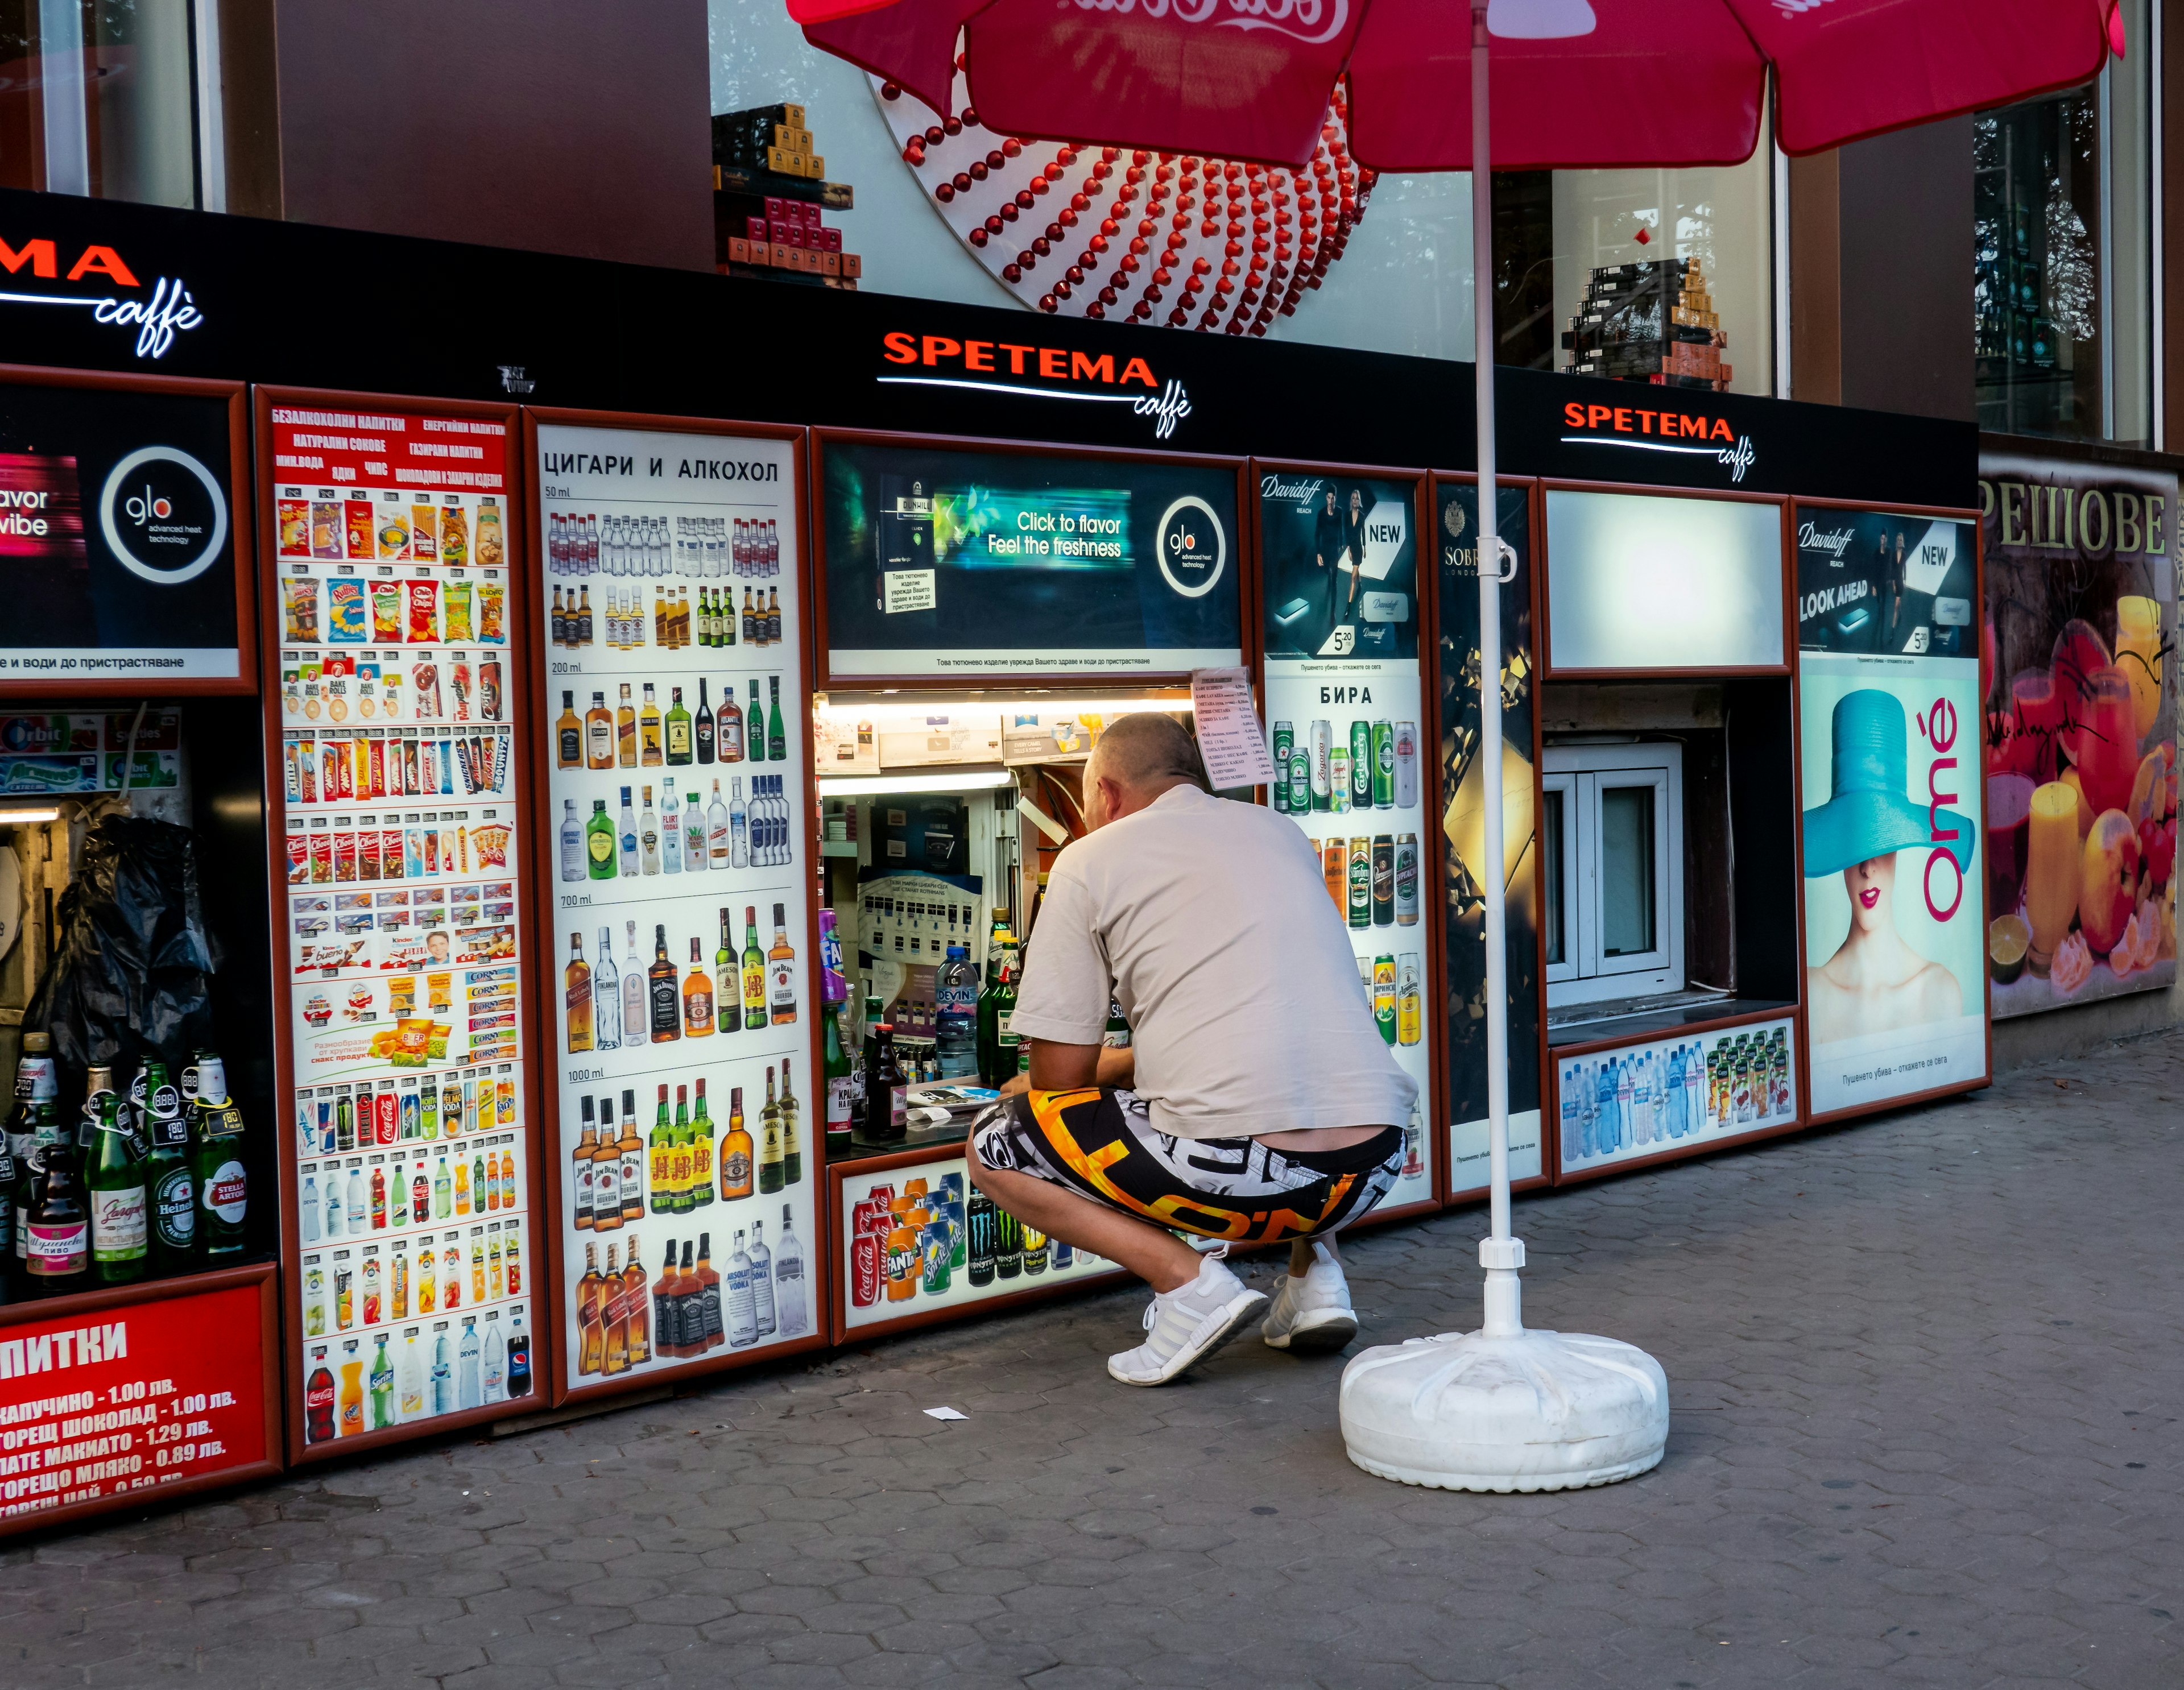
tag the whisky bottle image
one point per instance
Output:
(781, 973)
(666, 1009)
(697, 999)
(577, 986)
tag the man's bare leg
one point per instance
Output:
(1300, 1257)
(1152, 1252)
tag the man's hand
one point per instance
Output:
(1016, 1086)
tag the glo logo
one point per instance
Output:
(1191, 547)
(164, 514)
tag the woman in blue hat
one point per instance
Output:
(1875, 982)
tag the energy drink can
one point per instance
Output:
(1322, 746)
(1361, 765)
(1383, 765)
(1384, 881)
(1407, 880)
(1339, 781)
(1285, 742)
(1361, 882)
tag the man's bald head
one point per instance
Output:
(1139, 757)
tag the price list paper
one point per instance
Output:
(400, 790)
(129, 1399)
(678, 704)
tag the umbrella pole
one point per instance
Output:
(1500, 1254)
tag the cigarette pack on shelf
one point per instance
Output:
(676, 783)
(1652, 321)
(770, 195)
(398, 795)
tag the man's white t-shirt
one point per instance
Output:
(1208, 921)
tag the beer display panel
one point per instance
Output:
(917, 1238)
(678, 794)
(949, 562)
(121, 535)
(400, 802)
(1672, 1094)
(1344, 702)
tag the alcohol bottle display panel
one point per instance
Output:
(676, 793)
(401, 783)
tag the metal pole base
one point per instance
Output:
(1521, 1411)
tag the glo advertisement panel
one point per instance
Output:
(946, 562)
(1344, 705)
(1888, 695)
(399, 804)
(2081, 731)
(1463, 831)
(675, 620)
(118, 536)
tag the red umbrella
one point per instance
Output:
(1583, 84)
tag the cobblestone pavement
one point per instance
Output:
(1925, 1377)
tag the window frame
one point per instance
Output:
(1583, 773)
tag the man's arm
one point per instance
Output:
(1070, 1067)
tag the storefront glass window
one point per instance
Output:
(2062, 270)
(98, 97)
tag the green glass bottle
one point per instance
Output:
(755, 1013)
(168, 1175)
(678, 729)
(221, 1181)
(700, 1191)
(113, 1182)
(755, 736)
(776, 732)
(836, 1074)
(599, 841)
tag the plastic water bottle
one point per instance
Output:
(957, 1021)
(469, 1387)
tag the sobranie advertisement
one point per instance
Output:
(1340, 564)
(943, 561)
(2081, 731)
(1464, 830)
(117, 538)
(1894, 998)
(1343, 710)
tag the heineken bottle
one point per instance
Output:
(115, 1188)
(167, 1177)
(221, 1183)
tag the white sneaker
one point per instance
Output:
(1312, 1313)
(1187, 1325)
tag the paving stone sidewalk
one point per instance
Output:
(1925, 1377)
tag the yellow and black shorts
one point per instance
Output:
(1101, 1143)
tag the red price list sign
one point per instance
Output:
(131, 1397)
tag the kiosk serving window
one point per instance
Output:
(1612, 839)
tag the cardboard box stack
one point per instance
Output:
(770, 197)
(1652, 322)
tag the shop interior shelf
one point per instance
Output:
(1638, 1018)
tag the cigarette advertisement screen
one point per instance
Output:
(1643, 582)
(117, 558)
(943, 562)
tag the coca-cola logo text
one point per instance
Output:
(1309, 21)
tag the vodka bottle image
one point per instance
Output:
(606, 996)
(648, 836)
(670, 830)
(740, 1306)
(739, 853)
(627, 834)
(573, 842)
(635, 1012)
(717, 829)
(761, 1261)
(790, 1308)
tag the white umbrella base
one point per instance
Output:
(1526, 1411)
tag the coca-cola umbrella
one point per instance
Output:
(1582, 84)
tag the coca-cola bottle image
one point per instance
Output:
(319, 1398)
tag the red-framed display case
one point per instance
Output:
(693, 534)
(397, 641)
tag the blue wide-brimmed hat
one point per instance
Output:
(1870, 813)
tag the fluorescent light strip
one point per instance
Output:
(25, 818)
(864, 785)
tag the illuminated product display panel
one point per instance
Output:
(1895, 889)
(941, 561)
(682, 905)
(401, 794)
(1671, 1094)
(1344, 708)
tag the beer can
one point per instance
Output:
(1285, 742)
(1407, 880)
(1409, 1000)
(1361, 882)
(1407, 765)
(1384, 881)
(1298, 773)
(865, 1269)
(1323, 749)
(1334, 867)
(1383, 765)
(1384, 997)
(1338, 780)
(1361, 765)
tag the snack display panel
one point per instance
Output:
(391, 611)
(677, 785)
(1344, 715)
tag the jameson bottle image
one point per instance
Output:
(168, 1173)
(770, 1165)
(113, 1181)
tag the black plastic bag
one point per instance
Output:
(129, 980)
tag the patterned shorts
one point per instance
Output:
(1101, 1143)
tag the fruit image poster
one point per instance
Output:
(2080, 730)
(1894, 998)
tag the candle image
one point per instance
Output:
(2050, 876)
